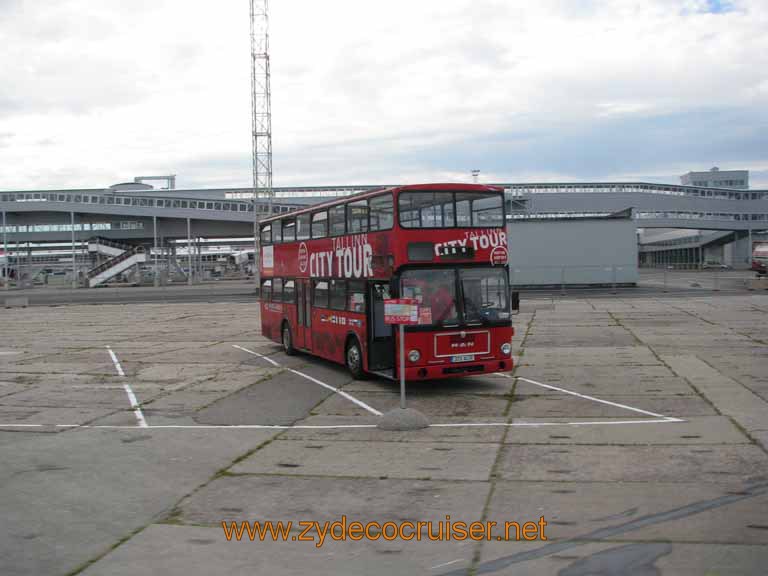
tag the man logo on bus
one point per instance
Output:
(303, 257)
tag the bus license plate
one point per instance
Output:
(463, 358)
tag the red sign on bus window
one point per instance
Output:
(401, 311)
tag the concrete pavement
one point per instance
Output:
(646, 454)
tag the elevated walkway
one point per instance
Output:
(701, 240)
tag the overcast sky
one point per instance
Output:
(95, 93)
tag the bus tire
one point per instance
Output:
(353, 358)
(287, 339)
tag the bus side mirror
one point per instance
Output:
(516, 302)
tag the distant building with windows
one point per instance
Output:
(716, 178)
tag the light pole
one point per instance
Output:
(6, 278)
(74, 254)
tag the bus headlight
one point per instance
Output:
(414, 355)
(506, 348)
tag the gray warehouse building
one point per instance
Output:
(575, 250)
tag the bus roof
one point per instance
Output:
(446, 187)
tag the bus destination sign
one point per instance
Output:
(401, 311)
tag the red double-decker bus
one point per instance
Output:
(326, 271)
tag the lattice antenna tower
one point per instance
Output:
(261, 105)
(261, 120)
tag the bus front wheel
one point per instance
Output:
(288, 340)
(354, 359)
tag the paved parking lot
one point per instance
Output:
(637, 428)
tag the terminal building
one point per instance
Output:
(572, 233)
(716, 178)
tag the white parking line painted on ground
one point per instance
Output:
(446, 564)
(196, 426)
(315, 381)
(592, 398)
(338, 391)
(344, 426)
(116, 362)
(658, 418)
(543, 424)
(267, 358)
(131, 396)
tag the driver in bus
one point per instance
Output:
(443, 304)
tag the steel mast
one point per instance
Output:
(261, 117)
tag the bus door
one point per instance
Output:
(304, 315)
(381, 344)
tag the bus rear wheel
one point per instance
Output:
(288, 340)
(354, 359)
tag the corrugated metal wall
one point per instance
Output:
(588, 251)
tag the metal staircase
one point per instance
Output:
(105, 247)
(116, 265)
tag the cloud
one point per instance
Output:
(383, 92)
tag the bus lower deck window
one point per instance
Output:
(266, 290)
(356, 296)
(338, 294)
(320, 299)
(277, 289)
(289, 292)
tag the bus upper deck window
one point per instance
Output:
(426, 209)
(357, 217)
(486, 210)
(336, 218)
(464, 209)
(382, 212)
(266, 234)
(289, 230)
(448, 209)
(320, 224)
(302, 227)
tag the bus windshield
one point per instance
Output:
(483, 295)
